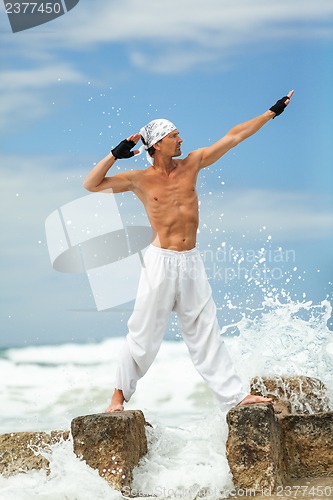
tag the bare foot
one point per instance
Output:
(117, 402)
(251, 399)
(114, 407)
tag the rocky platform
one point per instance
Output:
(276, 449)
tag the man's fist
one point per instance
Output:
(123, 150)
(281, 104)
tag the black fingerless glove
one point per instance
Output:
(279, 106)
(123, 150)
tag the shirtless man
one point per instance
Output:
(173, 276)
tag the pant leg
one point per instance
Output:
(146, 326)
(196, 311)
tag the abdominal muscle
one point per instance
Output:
(174, 222)
(172, 208)
(179, 240)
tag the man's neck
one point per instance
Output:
(164, 165)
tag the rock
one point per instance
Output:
(281, 408)
(253, 447)
(268, 445)
(112, 443)
(308, 444)
(305, 394)
(21, 451)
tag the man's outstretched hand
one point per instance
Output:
(123, 150)
(281, 104)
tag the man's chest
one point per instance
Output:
(177, 186)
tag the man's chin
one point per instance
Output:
(178, 153)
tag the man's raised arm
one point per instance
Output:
(96, 180)
(241, 132)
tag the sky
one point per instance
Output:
(72, 88)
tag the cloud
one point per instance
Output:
(208, 24)
(31, 188)
(170, 61)
(22, 91)
(39, 77)
(163, 37)
(213, 29)
(33, 293)
(291, 216)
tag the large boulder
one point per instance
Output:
(307, 442)
(23, 451)
(253, 447)
(303, 394)
(269, 445)
(112, 443)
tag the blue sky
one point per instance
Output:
(72, 88)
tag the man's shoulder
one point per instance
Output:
(192, 158)
(133, 173)
(138, 175)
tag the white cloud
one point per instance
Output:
(22, 91)
(292, 216)
(208, 23)
(38, 77)
(170, 61)
(31, 188)
(162, 37)
(190, 27)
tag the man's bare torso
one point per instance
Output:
(171, 203)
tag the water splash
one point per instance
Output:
(284, 337)
(182, 462)
(269, 325)
(68, 478)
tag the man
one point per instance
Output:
(173, 277)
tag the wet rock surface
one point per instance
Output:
(23, 451)
(303, 394)
(308, 444)
(253, 447)
(270, 448)
(112, 443)
(270, 445)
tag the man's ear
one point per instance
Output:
(156, 146)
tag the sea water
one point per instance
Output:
(44, 387)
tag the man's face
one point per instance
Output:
(170, 144)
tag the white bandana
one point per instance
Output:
(153, 132)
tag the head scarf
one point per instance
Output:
(153, 132)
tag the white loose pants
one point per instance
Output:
(177, 281)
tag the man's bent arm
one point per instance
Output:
(96, 180)
(236, 135)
